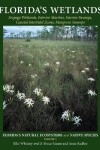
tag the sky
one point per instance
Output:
(17, 29)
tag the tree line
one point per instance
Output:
(57, 33)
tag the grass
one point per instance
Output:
(64, 84)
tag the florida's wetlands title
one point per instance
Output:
(50, 78)
(53, 10)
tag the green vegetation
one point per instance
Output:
(57, 66)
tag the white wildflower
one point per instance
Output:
(91, 79)
(8, 88)
(77, 120)
(46, 64)
(83, 71)
(87, 69)
(73, 51)
(22, 62)
(29, 65)
(4, 104)
(29, 102)
(33, 76)
(20, 96)
(57, 63)
(92, 93)
(66, 115)
(45, 99)
(37, 91)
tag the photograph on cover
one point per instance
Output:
(50, 78)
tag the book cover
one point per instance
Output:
(49, 78)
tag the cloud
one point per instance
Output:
(17, 29)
